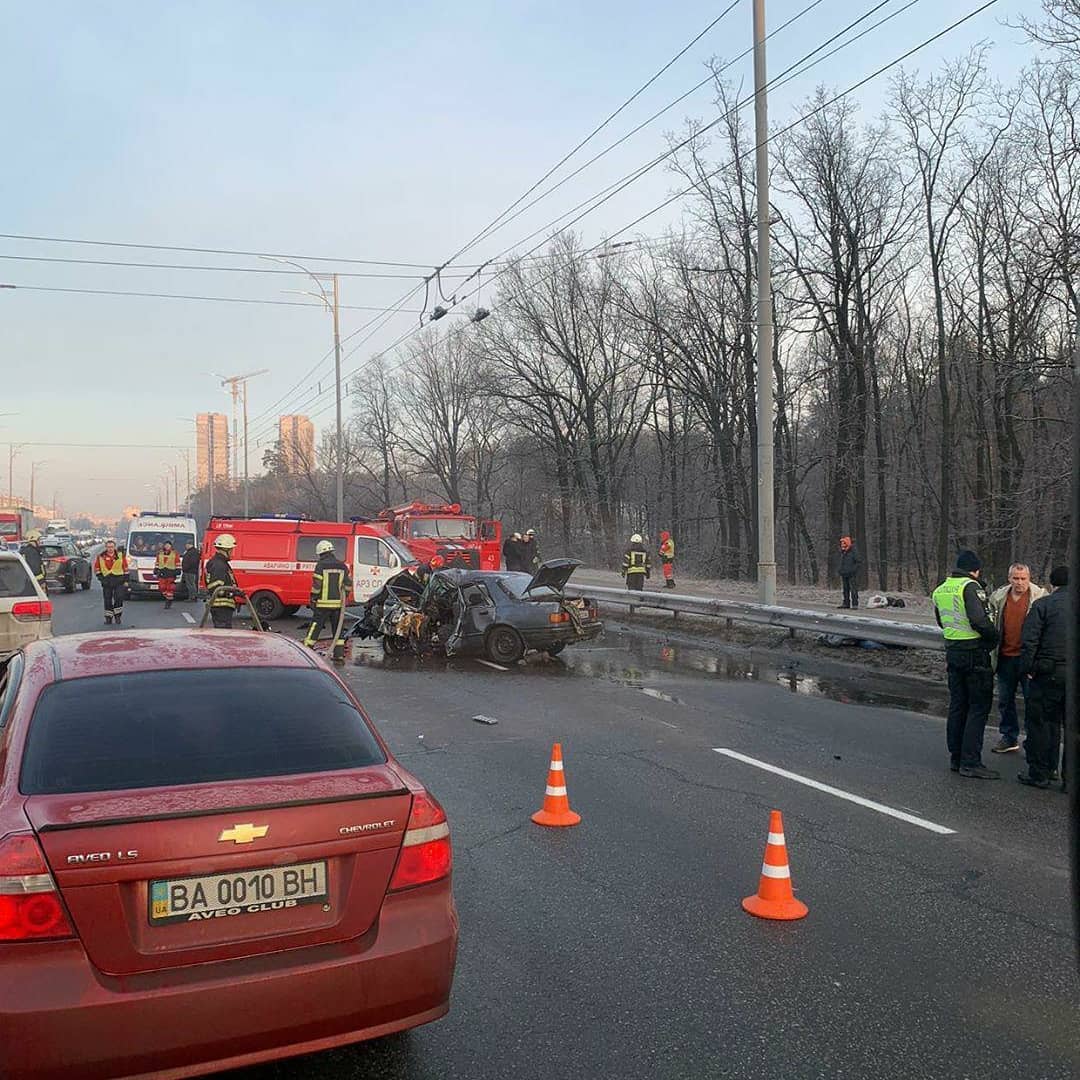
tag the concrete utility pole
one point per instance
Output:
(238, 385)
(765, 521)
(331, 303)
(210, 456)
(339, 453)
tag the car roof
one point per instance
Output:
(79, 656)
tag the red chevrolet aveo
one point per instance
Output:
(208, 858)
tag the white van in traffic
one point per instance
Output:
(145, 536)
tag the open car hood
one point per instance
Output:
(553, 575)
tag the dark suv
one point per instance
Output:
(65, 565)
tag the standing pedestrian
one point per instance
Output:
(111, 569)
(330, 585)
(848, 568)
(189, 568)
(636, 566)
(962, 611)
(530, 551)
(167, 570)
(1043, 659)
(222, 591)
(667, 559)
(512, 552)
(1010, 605)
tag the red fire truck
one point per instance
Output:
(15, 523)
(274, 558)
(428, 529)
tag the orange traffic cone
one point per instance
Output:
(556, 809)
(774, 898)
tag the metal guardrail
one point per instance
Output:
(887, 631)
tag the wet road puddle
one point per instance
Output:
(632, 661)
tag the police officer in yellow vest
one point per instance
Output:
(963, 613)
(636, 566)
(330, 585)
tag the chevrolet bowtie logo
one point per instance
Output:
(244, 834)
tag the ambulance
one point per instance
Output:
(146, 534)
(275, 557)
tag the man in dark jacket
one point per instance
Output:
(848, 569)
(512, 552)
(962, 611)
(1042, 659)
(189, 567)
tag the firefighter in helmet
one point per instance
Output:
(31, 552)
(330, 585)
(223, 593)
(637, 565)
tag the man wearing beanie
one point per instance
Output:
(962, 611)
(1043, 659)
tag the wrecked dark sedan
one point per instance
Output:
(499, 614)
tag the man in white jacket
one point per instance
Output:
(1010, 605)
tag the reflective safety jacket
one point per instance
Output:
(636, 561)
(962, 611)
(667, 550)
(111, 565)
(330, 583)
(169, 562)
(219, 572)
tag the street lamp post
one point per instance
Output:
(331, 303)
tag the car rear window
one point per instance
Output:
(14, 580)
(160, 728)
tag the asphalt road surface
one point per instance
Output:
(939, 942)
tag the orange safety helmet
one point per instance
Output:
(845, 543)
(437, 562)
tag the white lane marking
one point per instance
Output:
(829, 790)
(659, 695)
(488, 663)
(187, 615)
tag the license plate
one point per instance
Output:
(250, 892)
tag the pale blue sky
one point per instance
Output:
(350, 130)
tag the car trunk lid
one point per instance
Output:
(194, 874)
(552, 575)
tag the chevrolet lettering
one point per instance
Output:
(371, 826)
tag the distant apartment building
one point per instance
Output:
(212, 446)
(296, 437)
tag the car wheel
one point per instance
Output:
(554, 650)
(395, 646)
(69, 584)
(267, 606)
(504, 645)
(85, 585)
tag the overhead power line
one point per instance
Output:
(187, 296)
(685, 191)
(204, 267)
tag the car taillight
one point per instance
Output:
(425, 851)
(60, 560)
(31, 610)
(559, 617)
(30, 907)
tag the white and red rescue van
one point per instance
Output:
(274, 558)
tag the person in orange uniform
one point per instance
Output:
(667, 559)
(167, 568)
(111, 569)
